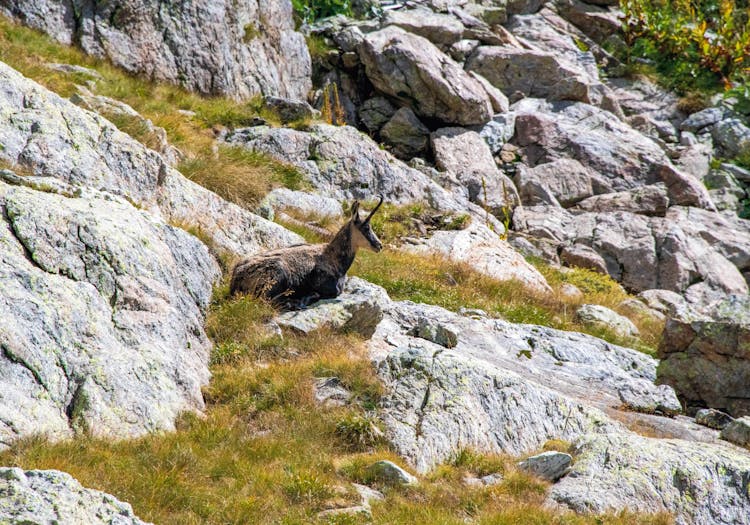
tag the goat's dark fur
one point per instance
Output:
(294, 277)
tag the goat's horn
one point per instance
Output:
(374, 209)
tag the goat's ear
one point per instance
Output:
(355, 211)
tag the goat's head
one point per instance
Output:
(362, 234)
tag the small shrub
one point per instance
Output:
(307, 488)
(359, 432)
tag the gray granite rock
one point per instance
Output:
(594, 314)
(51, 496)
(358, 309)
(705, 357)
(234, 48)
(440, 29)
(738, 432)
(549, 465)
(411, 69)
(713, 418)
(695, 482)
(389, 473)
(406, 135)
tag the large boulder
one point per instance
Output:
(51, 496)
(440, 29)
(412, 70)
(483, 250)
(623, 157)
(467, 159)
(235, 48)
(707, 359)
(498, 386)
(695, 482)
(102, 317)
(562, 181)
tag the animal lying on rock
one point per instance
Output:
(298, 275)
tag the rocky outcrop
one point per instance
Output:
(415, 72)
(501, 387)
(343, 163)
(705, 357)
(696, 482)
(484, 251)
(695, 252)
(83, 278)
(53, 138)
(104, 303)
(233, 48)
(622, 157)
(50, 496)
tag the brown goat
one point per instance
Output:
(295, 276)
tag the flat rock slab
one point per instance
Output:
(696, 482)
(358, 309)
(51, 496)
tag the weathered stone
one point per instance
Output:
(707, 359)
(109, 108)
(594, 314)
(303, 203)
(358, 309)
(51, 496)
(411, 69)
(498, 100)
(329, 392)
(343, 163)
(531, 382)
(596, 22)
(621, 156)
(442, 30)
(563, 181)
(54, 138)
(712, 418)
(638, 308)
(75, 70)
(732, 136)
(702, 119)
(738, 432)
(289, 110)
(645, 200)
(391, 474)
(82, 279)
(439, 333)
(498, 131)
(375, 112)
(549, 465)
(664, 401)
(695, 482)
(665, 301)
(406, 135)
(582, 256)
(534, 73)
(466, 156)
(483, 250)
(222, 48)
(462, 49)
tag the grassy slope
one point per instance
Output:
(265, 453)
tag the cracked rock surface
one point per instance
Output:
(235, 48)
(50, 496)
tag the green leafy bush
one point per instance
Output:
(700, 44)
(311, 10)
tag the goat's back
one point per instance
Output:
(273, 273)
